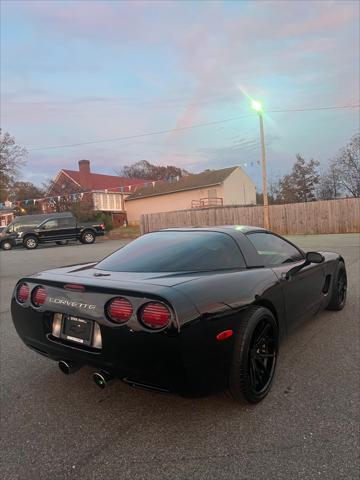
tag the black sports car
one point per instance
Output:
(188, 310)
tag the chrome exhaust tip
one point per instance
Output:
(102, 379)
(68, 367)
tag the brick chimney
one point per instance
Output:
(85, 175)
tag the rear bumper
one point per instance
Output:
(190, 363)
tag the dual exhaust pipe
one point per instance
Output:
(68, 367)
(101, 379)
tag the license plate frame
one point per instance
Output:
(77, 330)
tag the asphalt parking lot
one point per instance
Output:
(63, 427)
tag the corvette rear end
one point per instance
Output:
(122, 329)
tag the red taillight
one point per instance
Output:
(102, 226)
(23, 292)
(155, 315)
(38, 296)
(119, 310)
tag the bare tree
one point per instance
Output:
(330, 186)
(147, 171)
(26, 190)
(12, 157)
(348, 166)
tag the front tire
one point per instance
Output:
(6, 245)
(31, 242)
(254, 356)
(339, 289)
(87, 237)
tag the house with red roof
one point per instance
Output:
(104, 193)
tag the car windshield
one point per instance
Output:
(20, 226)
(180, 251)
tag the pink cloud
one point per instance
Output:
(310, 46)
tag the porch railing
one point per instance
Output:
(207, 202)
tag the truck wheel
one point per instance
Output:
(62, 242)
(254, 356)
(87, 237)
(6, 245)
(31, 242)
(338, 293)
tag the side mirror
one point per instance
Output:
(310, 257)
(314, 257)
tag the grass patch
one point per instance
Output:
(125, 232)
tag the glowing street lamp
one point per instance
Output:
(255, 105)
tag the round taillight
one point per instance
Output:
(155, 315)
(119, 310)
(38, 296)
(22, 293)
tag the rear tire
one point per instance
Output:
(31, 242)
(254, 356)
(6, 245)
(87, 237)
(339, 289)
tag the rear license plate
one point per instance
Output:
(77, 330)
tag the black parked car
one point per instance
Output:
(6, 241)
(30, 230)
(190, 311)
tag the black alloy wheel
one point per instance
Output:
(262, 356)
(339, 289)
(254, 356)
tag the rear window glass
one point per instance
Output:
(176, 252)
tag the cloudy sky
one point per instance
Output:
(87, 71)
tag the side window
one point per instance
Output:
(68, 222)
(50, 224)
(274, 250)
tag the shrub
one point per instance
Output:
(92, 216)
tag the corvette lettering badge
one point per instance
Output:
(69, 303)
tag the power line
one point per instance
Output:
(313, 109)
(178, 129)
(159, 132)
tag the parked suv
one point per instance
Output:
(30, 230)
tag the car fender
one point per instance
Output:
(230, 292)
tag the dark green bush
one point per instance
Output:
(91, 216)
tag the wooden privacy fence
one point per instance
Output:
(328, 216)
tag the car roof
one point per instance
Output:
(41, 216)
(219, 228)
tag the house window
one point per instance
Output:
(212, 193)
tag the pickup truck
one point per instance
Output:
(31, 230)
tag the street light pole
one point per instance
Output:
(258, 108)
(264, 176)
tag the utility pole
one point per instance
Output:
(259, 110)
